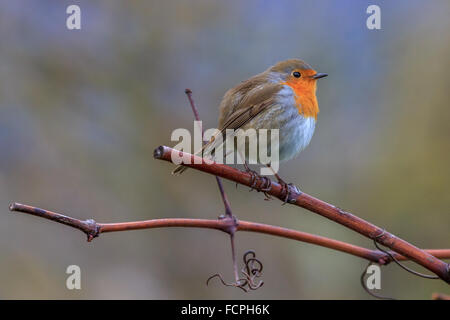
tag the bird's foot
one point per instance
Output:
(266, 185)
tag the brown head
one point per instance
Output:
(301, 77)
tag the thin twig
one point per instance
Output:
(320, 207)
(226, 203)
(94, 229)
(228, 213)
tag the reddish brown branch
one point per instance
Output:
(231, 229)
(440, 296)
(320, 207)
(93, 229)
(89, 227)
(226, 203)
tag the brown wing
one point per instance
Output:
(251, 102)
(246, 102)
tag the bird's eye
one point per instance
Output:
(296, 74)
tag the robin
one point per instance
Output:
(283, 97)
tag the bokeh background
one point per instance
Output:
(81, 112)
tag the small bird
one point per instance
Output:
(282, 97)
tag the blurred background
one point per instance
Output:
(81, 112)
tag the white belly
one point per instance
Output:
(295, 135)
(295, 132)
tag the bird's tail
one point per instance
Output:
(181, 168)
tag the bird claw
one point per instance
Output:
(266, 185)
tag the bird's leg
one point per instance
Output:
(288, 189)
(266, 185)
(255, 176)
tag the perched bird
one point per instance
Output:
(282, 97)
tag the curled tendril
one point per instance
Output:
(363, 284)
(392, 258)
(241, 283)
(251, 270)
(426, 276)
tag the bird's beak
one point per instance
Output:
(318, 76)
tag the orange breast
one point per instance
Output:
(305, 96)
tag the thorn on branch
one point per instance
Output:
(93, 231)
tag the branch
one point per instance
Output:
(228, 213)
(315, 205)
(440, 296)
(93, 229)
